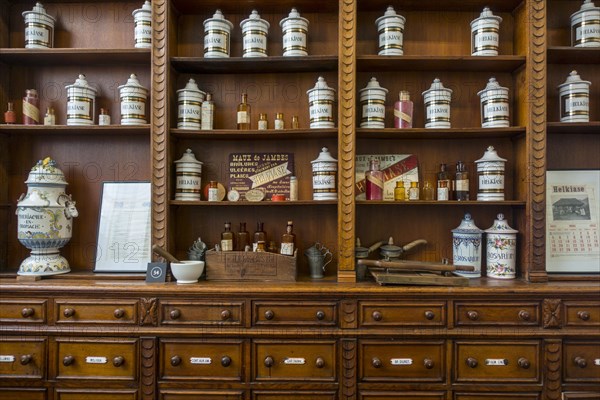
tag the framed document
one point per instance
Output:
(124, 229)
(572, 221)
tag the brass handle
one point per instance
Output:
(472, 362)
(225, 315)
(269, 315)
(226, 361)
(319, 362)
(377, 315)
(175, 361)
(583, 315)
(523, 363)
(119, 313)
(27, 312)
(68, 360)
(26, 359)
(69, 312)
(118, 361)
(473, 315)
(376, 362)
(428, 363)
(269, 361)
(580, 362)
(175, 314)
(524, 315)
(429, 315)
(320, 315)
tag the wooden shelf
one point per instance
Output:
(75, 130)
(238, 65)
(505, 203)
(60, 56)
(439, 63)
(447, 5)
(270, 134)
(573, 55)
(452, 133)
(263, 203)
(271, 6)
(574, 127)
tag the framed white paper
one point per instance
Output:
(124, 229)
(572, 221)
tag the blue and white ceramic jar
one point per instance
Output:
(466, 247)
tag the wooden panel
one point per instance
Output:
(475, 313)
(386, 314)
(22, 358)
(305, 313)
(581, 396)
(97, 311)
(23, 394)
(581, 362)
(23, 311)
(584, 313)
(496, 396)
(201, 394)
(377, 395)
(95, 394)
(201, 313)
(293, 395)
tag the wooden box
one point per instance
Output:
(250, 266)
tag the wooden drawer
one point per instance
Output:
(305, 313)
(422, 361)
(380, 314)
(23, 311)
(96, 311)
(201, 313)
(23, 394)
(496, 396)
(295, 360)
(294, 395)
(514, 314)
(497, 361)
(581, 362)
(201, 360)
(581, 396)
(109, 359)
(22, 358)
(582, 313)
(377, 395)
(95, 394)
(201, 394)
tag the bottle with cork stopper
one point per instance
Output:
(403, 111)
(10, 116)
(104, 117)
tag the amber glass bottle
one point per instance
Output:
(259, 235)
(288, 240)
(243, 114)
(461, 192)
(242, 238)
(227, 238)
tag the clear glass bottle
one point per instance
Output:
(259, 236)
(9, 116)
(227, 242)
(461, 182)
(208, 113)
(443, 184)
(242, 238)
(213, 191)
(295, 122)
(31, 107)
(374, 181)
(103, 117)
(272, 248)
(293, 188)
(279, 123)
(427, 191)
(399, 191)
(261, 246)
(403, 111)
(49, 118)
(263, 123)
(243, 114)
(413, 191)
(288, 240)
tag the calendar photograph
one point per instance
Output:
(572, 221)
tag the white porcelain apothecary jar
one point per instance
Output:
(45, 220)
(501, 249)
(133, 102)
(188, 184)
(254, 35)
(142, 19)
(574, 96)
(490, 173)
(485, 34)
(320, 103)
(390, 28)
(437, 105)
(81, 102)
(295, 32)
(189, 106)
(466, 246)
(585, 26)
(39, 28)
(324, 170)
(372, 102)
(494, 105)
(217, 36)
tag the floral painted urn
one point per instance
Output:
(45, 220)
(501, 249)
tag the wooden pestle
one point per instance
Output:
(163, 253)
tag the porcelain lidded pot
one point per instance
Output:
(490, 173)
(39, 28)
(485, 34)
(133, 102)
(188, 185)
(217, 36)
(45, 220)
(574, 96)
(466, 246)
(254, 35)
(372, 101)
(320, 105)
(437, 105)
(501, 249)
(494, 105)
(189, 106)
(585, 26)
(81, 102)
(295, 31)
(142, 19)
(324, 170)
(390, 28)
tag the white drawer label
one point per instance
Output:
(201, 360)
(12, 358)
(401, 361)
(294, 361)
(496, 361)
(597, 361)
(95, 360)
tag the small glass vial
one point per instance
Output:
(413, 191)
(443, 184)
(427, 191)
(208, 113)
(263, 122)
(279, 123)
(213, 191)
(243, 238)
(259, 236)
(403, 111)
(461, 182)
(399, 191)
(227, 238)
(31, 107)
(9, 116)
(104, 117)
(293, 188)
(374, 181)
(50, 118)
(243, 114)
(288, 240)
(261, 246)
(295, 123)
(272, 247)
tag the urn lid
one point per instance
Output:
(191, 86)
(293, 15)
(188, 157)
(500, 226)
(373, 85)
(321, 84)
(254, 18)
(45, 172)
(437, 85)
(467, 225)
(572, 79)
(146, 8)
(324, 156)
(133, 83)
(81, 83)
(39, 9)
(588, 5)
(218, 17)
(390, 14)
(492, 85)
(486, 14)
(490, 155)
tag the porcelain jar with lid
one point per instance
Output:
(142, 20)
(45, 220)
(320, 101)
(501, 249)
(485, 34)
(39, 28)
(390, 28)
(494, 105)
(295, 31)
(574, 96)
(189, 106)
(466, 246)
(217, 36)
(188, 184)
(372, 101)
(324, 170)
(81, 102)
(490, 171)
(133, 102)
(437, 105)
(585, 26)
(254, 35)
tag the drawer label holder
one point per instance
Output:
(597, 362)
(496, 362)
(9, 359)
(201, 360)
(95, 360)
(294, 361)
(401, 361)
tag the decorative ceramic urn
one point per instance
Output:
(466, 246)
(45, 220)
(501, 249)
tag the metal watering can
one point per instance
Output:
(318, 257)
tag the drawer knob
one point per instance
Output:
(376, 362)
(524, 315)
(428, 363)
(119, 313)
(320, 315)
(69, 312)
(269, 315)
(473, 315)
(429, 315)
(175, 313)
(377, 316)
(472, 362)
(523, 363)
(226, 361)
(118, 361)
(68, 360)
(225, 315)
(583, 315)
(580, 362)
(175, 361)
(269, 361)
(27, 312)
(26, 359)
(319, 362)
